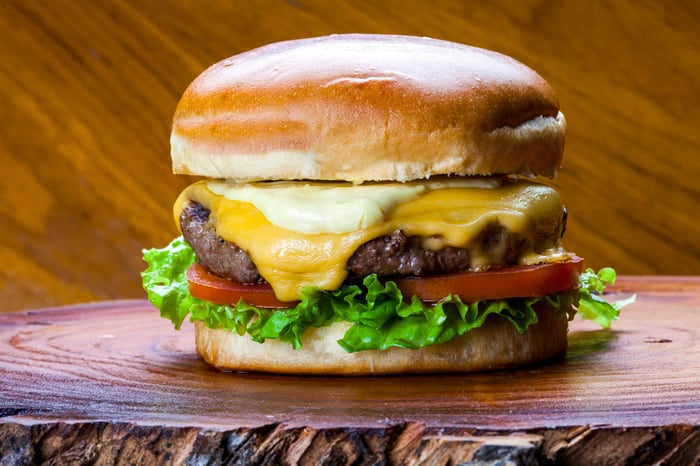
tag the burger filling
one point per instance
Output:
(298, 234)
(337, 252)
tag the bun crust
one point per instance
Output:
(367, 107)
(495, 345)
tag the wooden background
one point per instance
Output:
(87, 92)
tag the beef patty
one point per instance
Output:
(215, 254)
(392, 255)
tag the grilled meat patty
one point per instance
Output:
(215, 254)
(392, 255)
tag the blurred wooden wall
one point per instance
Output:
(88, 88)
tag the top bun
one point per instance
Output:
(361, 107)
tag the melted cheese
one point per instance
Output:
(283, 228)
(316, 207)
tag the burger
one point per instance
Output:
(371, 204)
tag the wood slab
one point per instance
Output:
(115, 376)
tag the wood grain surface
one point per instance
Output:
(114, 371)
(88, 89)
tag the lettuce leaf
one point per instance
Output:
(591, 304)
(380, 316)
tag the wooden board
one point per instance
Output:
(112, 367)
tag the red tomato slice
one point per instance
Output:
(507, 282)
(212, 288)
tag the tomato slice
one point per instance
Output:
(209, 287)
(507, 282)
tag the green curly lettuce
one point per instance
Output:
(380, 316)
(591, 305)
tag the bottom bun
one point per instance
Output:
(495, 345)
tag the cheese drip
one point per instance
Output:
(447, 213)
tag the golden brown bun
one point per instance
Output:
(367, 107)
(495, 345)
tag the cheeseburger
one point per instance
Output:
(370, 204)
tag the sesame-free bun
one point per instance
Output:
(495, 345)
(367, 107)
